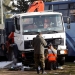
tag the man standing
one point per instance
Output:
(38, 44)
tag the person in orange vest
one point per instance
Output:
(11, 38)
(52, 57)
(9, 48)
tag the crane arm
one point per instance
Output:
(36, 6)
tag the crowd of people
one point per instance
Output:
(44, 59)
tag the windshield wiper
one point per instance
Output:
(30, 33)
(53, 31)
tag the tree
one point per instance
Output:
(9, 5)
(23, 5)
(8, 8)
(5, 5)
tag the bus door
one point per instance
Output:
(70, 35)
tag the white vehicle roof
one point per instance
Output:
(36, 13)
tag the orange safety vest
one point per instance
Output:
(52, 57)
(11, 36)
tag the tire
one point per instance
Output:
(61, 60)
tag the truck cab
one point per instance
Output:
(49, 23)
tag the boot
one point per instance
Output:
(43, 71)
(38, 71)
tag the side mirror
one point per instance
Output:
(68, 23)
(68, 26)
(68, 20)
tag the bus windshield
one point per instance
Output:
(43, 23)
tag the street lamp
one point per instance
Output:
(1, 11)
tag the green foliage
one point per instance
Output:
(22, 5)
(5, 5)
(7, 8)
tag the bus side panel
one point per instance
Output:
(70, 39)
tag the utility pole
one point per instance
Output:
(1, 11)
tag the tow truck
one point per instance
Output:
(26, 25)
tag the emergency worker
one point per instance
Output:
(3, 52)
(8, 47)
(38, 45)
(11, 38)
(9, 52)
(12, 48)
(52, 57)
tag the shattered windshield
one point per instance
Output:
(42, 23)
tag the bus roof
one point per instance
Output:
(60, 2)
